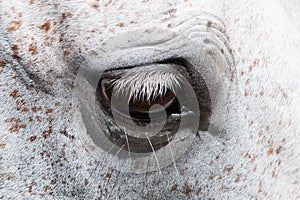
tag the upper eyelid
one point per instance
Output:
(92, 72)
(93, 66)
(124, 59)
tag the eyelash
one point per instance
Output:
(146, 85)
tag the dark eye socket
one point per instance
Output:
(175, 105)
(139, 109)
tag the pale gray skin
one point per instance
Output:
(43, 154)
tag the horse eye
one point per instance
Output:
(151, 103)
(140, 108)
(143, 112)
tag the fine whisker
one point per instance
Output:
(159, 170)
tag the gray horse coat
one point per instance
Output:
(46, 150)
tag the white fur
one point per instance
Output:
(44, 155)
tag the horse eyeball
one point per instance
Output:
(141, 108)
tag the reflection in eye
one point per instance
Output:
(140, 109)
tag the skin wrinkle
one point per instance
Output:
(43, 155)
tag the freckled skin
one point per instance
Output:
(44, 155)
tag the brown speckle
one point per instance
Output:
(228, 168)
(211, 177)
(14, 25)
(2, 63)
(64, 17)
(248, 155)
(17, 125)
(253, 160)
(274, 173)
(38, 118)
(46, 134)
(174, 187)
(66, 53)
(15, 47)
(238, 178)
(279, 149)
(20, 103)
(247, 81)
(14, 94)
(254, 169)
(109, 2)
(198, 191)
(15, 56)
(25, 109)
(47, 189)
(64, 132)
(120, 24)
(9, 177)
(187, 189)
(32, 138)
(49, 40)
(251, 123)
(45, 26)
(31, 2)
(279, 162)
(32, 49)
(209, 23)
(270, 151)
(108, 176)
(250, 68)
(49, 110)
(95, 5)
(158, 183)
(2, 145)
(35, 109)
